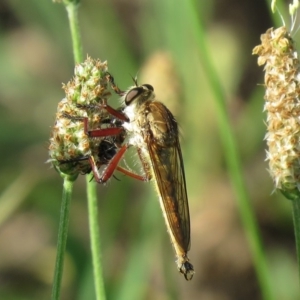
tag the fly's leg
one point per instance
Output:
(96, 132)
(112, 166)
(145, 165)
(131, 174)
(113, 85)
(119, 115)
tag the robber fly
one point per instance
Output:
(153, 130)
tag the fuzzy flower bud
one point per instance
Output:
(278, 54)
(69, 142)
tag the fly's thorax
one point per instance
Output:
(131, 112)
(133, 127)
(134, 134)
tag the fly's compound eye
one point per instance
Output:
(143, 92)
(133, 94)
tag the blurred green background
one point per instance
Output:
(154, 40)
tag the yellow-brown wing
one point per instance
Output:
(167, 163)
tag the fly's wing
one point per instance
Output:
(167, 163)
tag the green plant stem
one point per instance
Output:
(296, 219)
(72, 9)
(62, 237)
(281, 11)
(95, 238)
(294, 196)
(232, 158)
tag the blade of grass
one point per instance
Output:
(134, 283)
(14, 194)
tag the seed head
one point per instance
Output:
(277, 52)
(84, 95)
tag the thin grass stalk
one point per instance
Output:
(95, 238)
(62, 237)
(72, 9)
(232, 158)
(296, 219)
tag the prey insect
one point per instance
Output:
(104, 153)
(153, 130)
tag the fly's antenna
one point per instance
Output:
(134, 80)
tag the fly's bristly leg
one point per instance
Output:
(111, 79)
(145, 165)
(102, 132)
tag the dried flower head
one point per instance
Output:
(70, 146)
(277, 52)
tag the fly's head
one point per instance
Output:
(137, 95)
